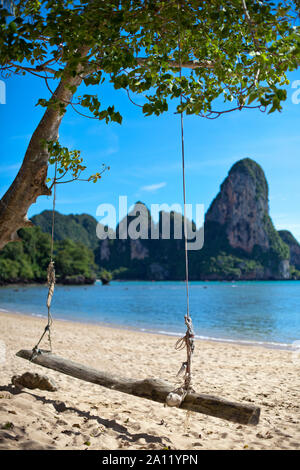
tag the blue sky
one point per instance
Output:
(144, 152)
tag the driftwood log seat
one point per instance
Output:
(151, 389)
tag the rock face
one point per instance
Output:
(78, 280)
(238, 224)
(138, 250)
(142, 257)
(242, 206)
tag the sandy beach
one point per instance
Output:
(81, 415)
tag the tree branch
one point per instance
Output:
(251, 25)
(29, 183)
(206, 64)
(38, 68)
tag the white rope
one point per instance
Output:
(50, 279)
(176, 397)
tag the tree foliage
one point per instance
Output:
(235, 50)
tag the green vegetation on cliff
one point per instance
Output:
(294, 247)
(229, 266)
(81, 228)
(27, 260)
(278, 249)
(252, 168)
(288, 237)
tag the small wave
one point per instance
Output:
(39, 315)
(169, 333)
(267, 344)
(248, 342)
(4, 310)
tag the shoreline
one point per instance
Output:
(191, 281)
(250, 343)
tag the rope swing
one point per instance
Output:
(50, 279)
(176, 397)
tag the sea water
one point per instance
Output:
(263, 312)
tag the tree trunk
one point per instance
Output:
(152, 389)
(30, 180)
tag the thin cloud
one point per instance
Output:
(109, 151)
(153, 187)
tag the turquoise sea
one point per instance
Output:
(253, 312)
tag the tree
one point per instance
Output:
(238, 49)
(74, 259)
(28, 261)
(105, 276)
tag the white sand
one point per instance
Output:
(80, 413)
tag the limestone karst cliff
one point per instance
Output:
(241, 207)
(238, 223)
